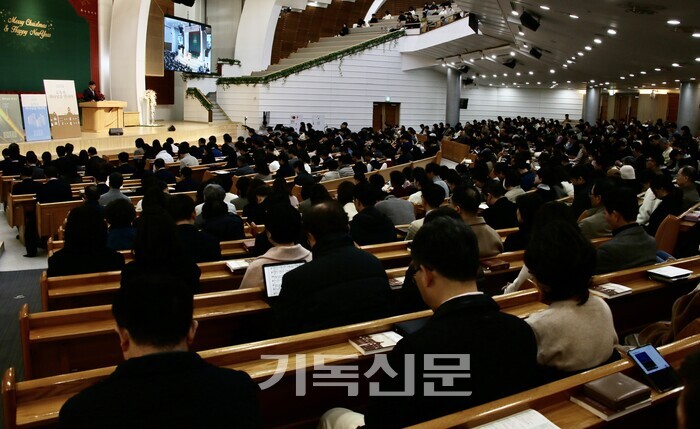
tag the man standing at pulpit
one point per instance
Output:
(91, 93)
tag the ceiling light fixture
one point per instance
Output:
(572, 16)
(552, 71)
(531, 72)
(612, 31)
(569, 62)
(622, 77)
(642, 72)
(631, 74)
(676, 65)
(696, 34)
(697, 59)
(673, 22)
(539, 83)
(521, 33)
(517, 74)
(512, 53)
(568, 81)
(657, 69)
(597, 41)
(580, 54)
(565, 66)
(588, 48)
(514, 13)
(543, 7)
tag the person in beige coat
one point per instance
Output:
(465, 200)
(283, 229)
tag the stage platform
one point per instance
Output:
(106, 144)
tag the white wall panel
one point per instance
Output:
(489, 103)
(344, 91)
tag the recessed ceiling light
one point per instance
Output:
(531, 72)
(554, 81)
(568, 81)
(521, 33)
(696, 34)
(517, 74)
(444, 65)
(514, 13)
(565, 66)
(697, 59)
(580, 54)
(525, 45)
(539, 83)
(592, 81)
(544, 7)
(490, 84)
(631, 74)
(676, 65)
(493, 56)
(597, 41)
(657, 69)
(673, 22)
(663, 83)
(692, 78)
(527, 83)
(569, 61)
(505, 74)
(588, 48)
(642, 72)
(495, 76)
(552, 71)
(622, 77)
(612, 31)
(572, 16)
(512, 53)
(653, 84)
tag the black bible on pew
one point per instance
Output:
(613, 396)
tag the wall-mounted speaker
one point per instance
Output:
(189, 3)
(529, 21)
(468, 81)
(510, 63)
(536, 53)
(474, 23)
(464, 69)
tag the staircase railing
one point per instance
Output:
(197, 93)
(351, 50)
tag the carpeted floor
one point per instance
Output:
(16, 289)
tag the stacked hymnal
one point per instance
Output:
(610, 290)
(375, 343)
(495, 264)
(396, 282)
(669, 274)
(693, 216)
(528, 419)
(238, 264)
(613, 396)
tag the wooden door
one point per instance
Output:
(672, 109)
(385, 113)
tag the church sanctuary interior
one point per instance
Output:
(345, 213)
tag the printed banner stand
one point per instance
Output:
(63, 108)
(10, 119)
(36, 117)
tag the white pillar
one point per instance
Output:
(256, 32)
(104, 19)
(592, 109)
(127, 50)
(689, 106)
(454, 88)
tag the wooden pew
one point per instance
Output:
(552, 400)
(454, 151)
(36, 403)
(55, 342)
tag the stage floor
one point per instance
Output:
(106, 144)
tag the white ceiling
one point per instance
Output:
(644, 41)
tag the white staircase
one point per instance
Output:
(217, 113)
(325, 46)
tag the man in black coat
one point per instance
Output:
(161, 383)
(340, 286)
(203, 246)
(162, 173)
(502, 213)
(28, 187)
(490, 354)
(54, 190)
(369, 225)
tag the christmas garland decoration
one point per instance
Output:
(229, 61)
(196, 93)
(248, 80)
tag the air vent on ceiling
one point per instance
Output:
(643, 9)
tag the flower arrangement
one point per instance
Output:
(150, 96)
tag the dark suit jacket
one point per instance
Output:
(67, 262)
(630, 247)
(54, 191)
(183, 267)
(671, 204)
(26, 187)
(243, 170)
(187, 185)
(175, 389)
(88, 95)
(502, 214)
(503, 360)
(340, 286)
(225, 227)
(126, 169)
(165, 175)
(304, 178)
(285, 170)
(370, 226)
(202, 245)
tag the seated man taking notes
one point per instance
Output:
(481, 353)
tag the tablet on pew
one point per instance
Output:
(273, 273)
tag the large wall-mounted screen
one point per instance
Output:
(187, 45)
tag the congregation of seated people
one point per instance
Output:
(558, 185)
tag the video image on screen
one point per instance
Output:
(187, 46)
